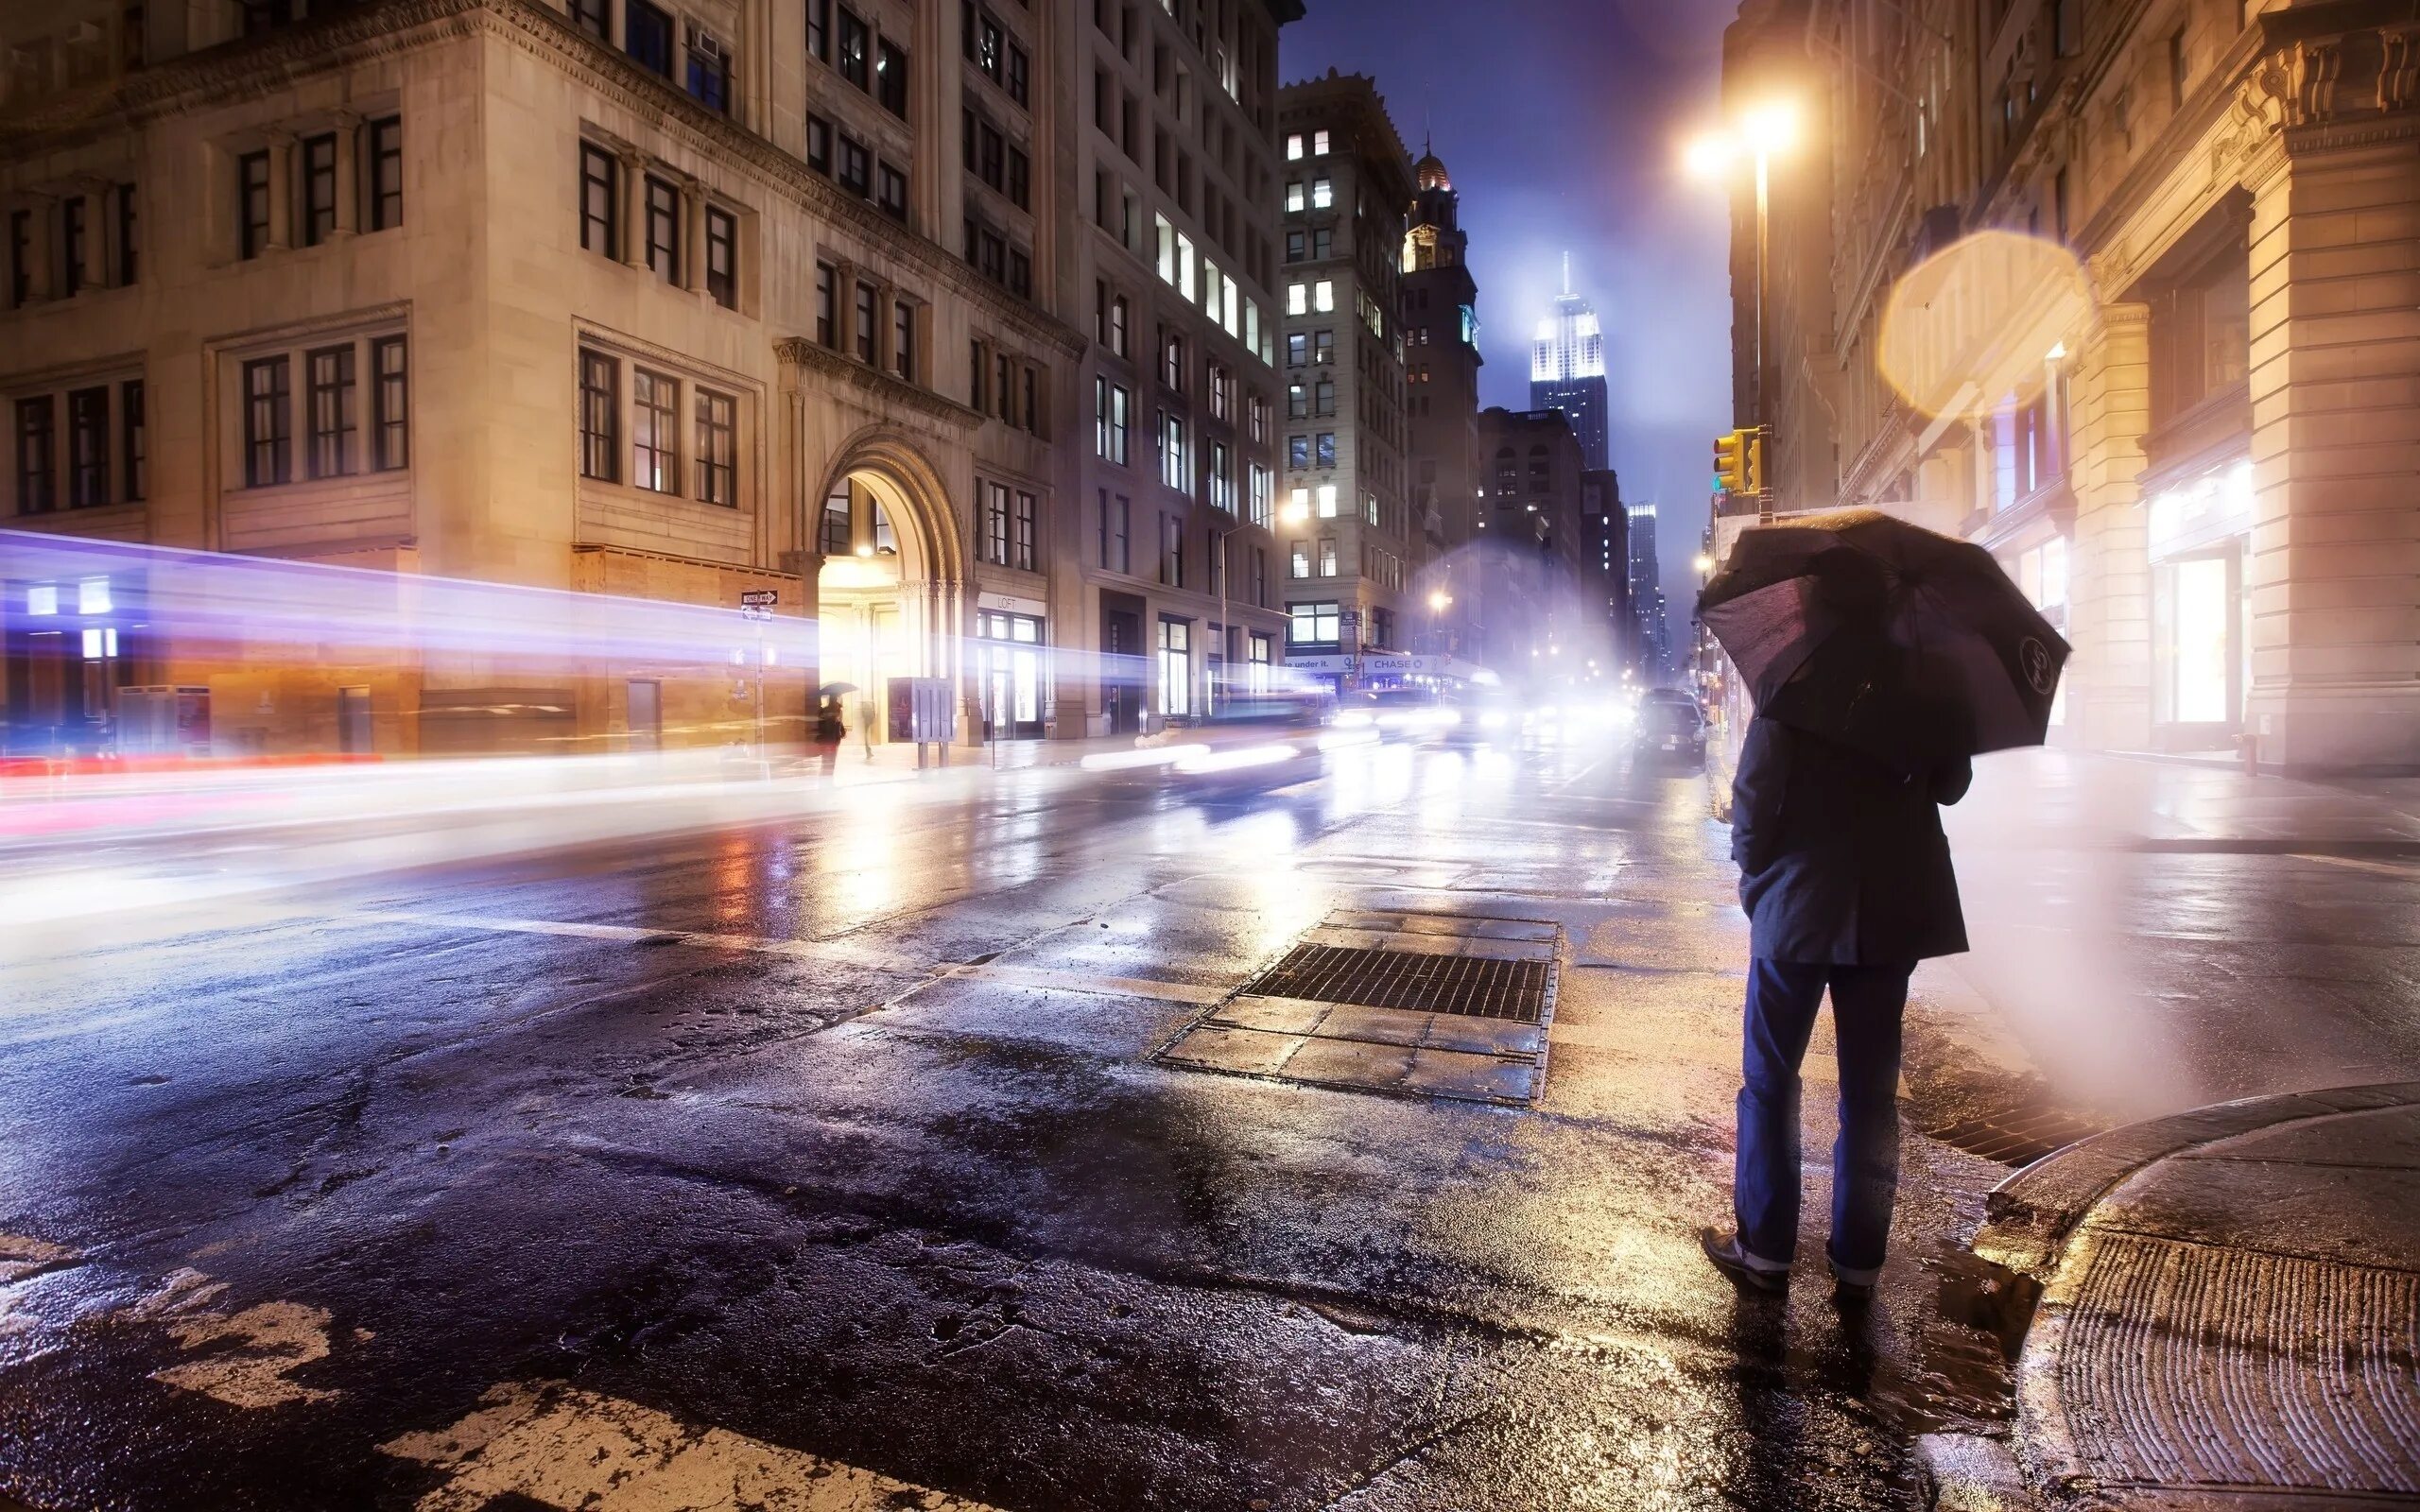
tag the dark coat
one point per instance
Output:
(1841, 859)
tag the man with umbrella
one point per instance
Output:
(1881, 657)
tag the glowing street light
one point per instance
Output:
(1439, 601)
(1704, 564)
(1762, 132)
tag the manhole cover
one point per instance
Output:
(1474, 985)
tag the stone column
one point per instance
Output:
(633, 208)
(693, 236)
(2108, 680)
(281, 192)
(347, 128)
(2334, 566)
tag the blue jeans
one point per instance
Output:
(1783, 999)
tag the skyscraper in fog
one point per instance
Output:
(1647, 588)
(1567, 370)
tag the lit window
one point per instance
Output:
(1295, 146)
(92, 595)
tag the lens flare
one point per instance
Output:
(1967, 329)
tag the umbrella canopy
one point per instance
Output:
(833, 690)
(1901, 642)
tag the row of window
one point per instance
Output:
(338, 439)
(1220, 296)
(857, 327)
(1301, 449)
(1317, 243)
(1114, 545)
(994, 51)
(1318, 194)
(1005, 385)
(1315, 144)
(69, 228)
(993, 160)
(839, 37)
(663, 224)
(855, 166)
(649, 34)
(1006, 526)
(645, 436)
(90, 456)
(310, 166)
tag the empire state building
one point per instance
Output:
(1568, 369)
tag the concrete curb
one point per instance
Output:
(2037, 1226)
(2031, 1215)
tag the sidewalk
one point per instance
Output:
(2230, 1314)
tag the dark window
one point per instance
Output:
(819, 29)
(1294, 247)
(588, 17)
(722, 257)
(2067, 30)
(856, 166)
(389, 406)
(891, 79)
(37, 456)
(71, 243)
(1298, 451)
(20, 257)
(856, 44)
(819, 144)
(717, 449)
(268, 422)
(992, 543)
(330, 376)
(262, 16)
(134, 442)
(1327, 448)
(319, 188)
(1023, 552)
(386, 177)
(865, 331)
(903, 339)
(890, 192)
(126, 259)
(600, 181)
(975, 367)
(600, 417)
(1020, 273)
(709, 72)
(836, 523)
(826, 308)
(663, 229)
(1015, 83)
(2176, 71)
(1032, 411)
(88, 448)
(655, 444)
(646, 35)
(1020, 188)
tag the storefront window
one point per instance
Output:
(1176, 667)
(2205, 621)
(1010, 653)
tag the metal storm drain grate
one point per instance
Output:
(1449, 1005)
(1477, 985)
(2017, 1137)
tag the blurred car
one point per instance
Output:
(1248, 743)
(1671, 726)
(1396, 713)
(1481, 718)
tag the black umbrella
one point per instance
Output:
(1898, 641)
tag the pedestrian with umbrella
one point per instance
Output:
(1882, 658)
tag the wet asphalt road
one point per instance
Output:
(294, 1201)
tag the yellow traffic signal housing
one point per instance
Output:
(1730, 462)
(1753, 452)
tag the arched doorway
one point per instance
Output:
(890, 592)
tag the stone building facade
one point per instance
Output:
(666, 300)
(1351, 564)
(1167, 570)
(1441, 405)
(2204, 462)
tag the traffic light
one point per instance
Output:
(1730, 462)
(1753, 452)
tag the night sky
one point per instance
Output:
(1559, 120)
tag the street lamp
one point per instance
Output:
(1439, 601)
(1704, 564)
(1761, 133)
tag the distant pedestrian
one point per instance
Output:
(830, 730)
(865, 725)
(1846, 878)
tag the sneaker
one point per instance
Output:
(1723, 1249)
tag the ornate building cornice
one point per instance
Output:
(248, 67)
(800, 352)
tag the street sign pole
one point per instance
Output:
(758, 605)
